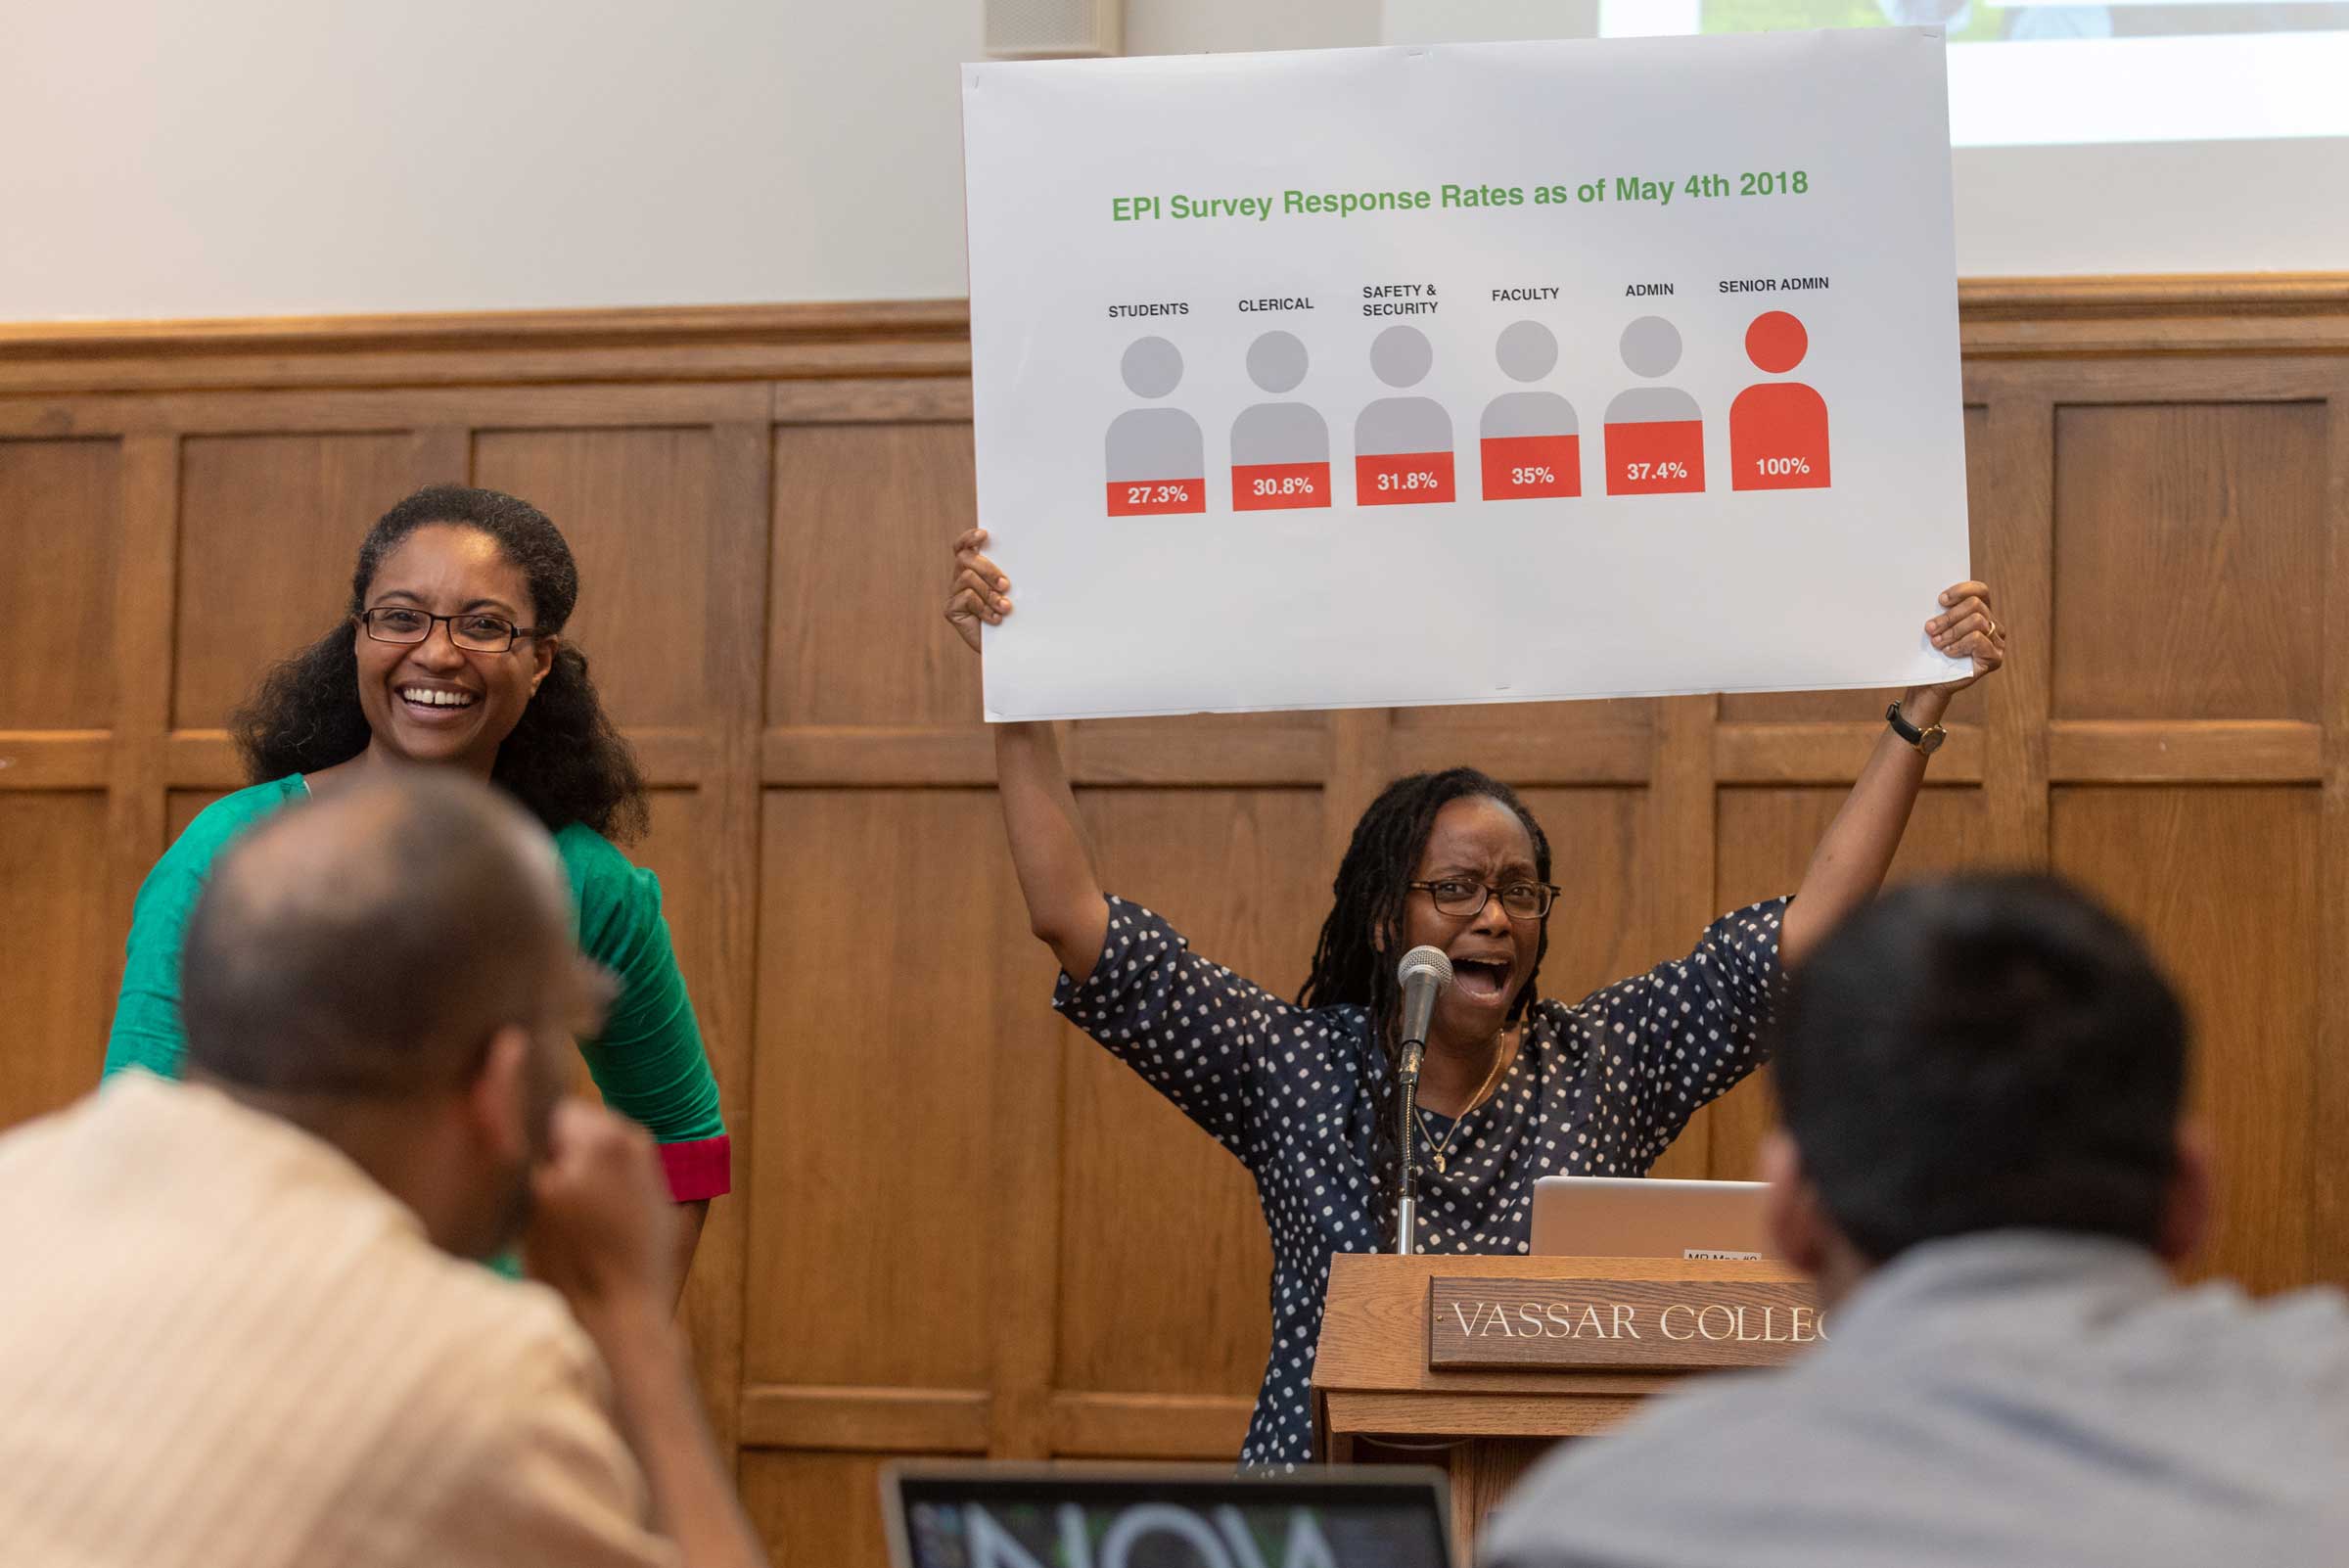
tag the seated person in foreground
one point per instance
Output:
(246, 1324)
(1984, 1168)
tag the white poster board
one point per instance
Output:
(1465, 374)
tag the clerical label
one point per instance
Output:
(1663, 1324)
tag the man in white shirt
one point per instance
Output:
(246, 1321)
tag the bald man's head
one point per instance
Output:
(369, 946)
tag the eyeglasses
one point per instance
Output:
(474, 633)
(1519, 900)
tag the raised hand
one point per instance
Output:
(603, 1229)
(981, 592)
(1965, 628)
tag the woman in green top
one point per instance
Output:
(452, 655)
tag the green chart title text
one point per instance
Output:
(1625, 189)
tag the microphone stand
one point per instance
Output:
(1406, 1212)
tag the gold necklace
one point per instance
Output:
(1437, 1148)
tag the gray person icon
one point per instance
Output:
(1526, 351)
(1651, 346)
(1156, 457)
(1280, 451)
(1401, 445)
(1528, 441)
(1655, 434)
(1278, 432)
(1402, 356)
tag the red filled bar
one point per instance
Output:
(1656, 457)
(1157, 497)
(1403, 479)
(1525, 468)
(1277, 486)
(1778, 438)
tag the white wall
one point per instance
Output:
(233, 158)
(167, 158)
(2147, 206)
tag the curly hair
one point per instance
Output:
(565, 760)
(1354, 962)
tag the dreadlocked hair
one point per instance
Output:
(1354, 962)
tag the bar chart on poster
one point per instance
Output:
(1461, 374)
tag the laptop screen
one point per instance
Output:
(1175, 1517)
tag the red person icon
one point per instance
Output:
(1778, 429)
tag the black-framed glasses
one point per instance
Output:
(475, 634)
(1519, 900)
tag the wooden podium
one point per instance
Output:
(1478, 1364)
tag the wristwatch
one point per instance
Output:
(1927, 740)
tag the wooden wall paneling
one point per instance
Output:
(860, 567)
(1779, 708)
(233, 411)
(2011, 322)
(634, 503)
(677, 850)
(1608, 924)
(1687, 848)
(866, 684)
(1022, 1208)
(1144, 1194)
(2010, 468)
(1529, 743)
(1151, 1426)
(894, 959)
(1601, 845)
(1766, 835)
(61, 508)
(56, 990)
(270, 527)
(816, 1510)
(55, 759)
(741, 515)
(686, 851)
(149, 599)
(181, 807)
(1233, 751)
(63, 889)
(2223, 881)
(2005, 323)
(2223, 505)
(2257, 751)
(1818, 752)
(2161, 378)
(2329, 1123)
(1359, 765)
(873, 400)
(441, 454)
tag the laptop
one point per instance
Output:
(1642, 1216)
(977, 1515)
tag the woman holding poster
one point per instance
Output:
(1515, 1087)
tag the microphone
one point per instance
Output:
(1424, 973)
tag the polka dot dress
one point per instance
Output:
(1598, 1089)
